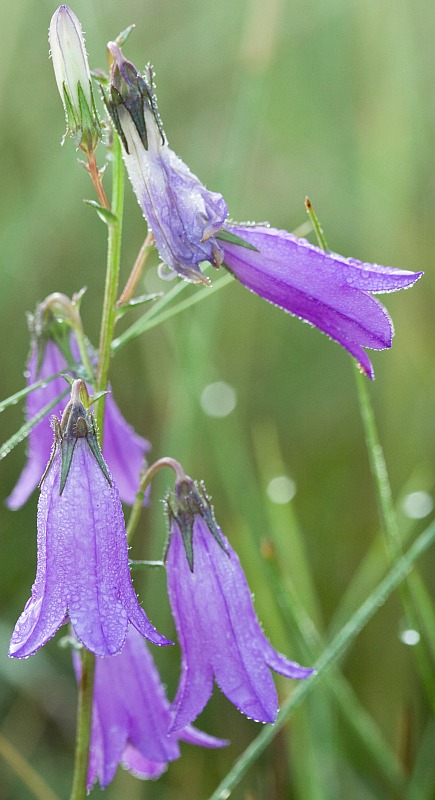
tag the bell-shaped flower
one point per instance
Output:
(124, 450)
(71, 70)
(82, 572)
(219, 633)
(131, 717)
(181, 213)
(325, 289)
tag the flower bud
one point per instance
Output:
(73, 78)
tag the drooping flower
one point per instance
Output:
(182, 214)
(123, 448)
(327, 290)
(71, 70)
(131, 717)
(82, 573)
(219, 633)
(188, 222)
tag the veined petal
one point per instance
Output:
(324, 289)
(123, 448)
(240, 670)
(131, 716)
(82, 552)
(196, 681)
(181, 213)
(212, 606)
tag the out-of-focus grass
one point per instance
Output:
(330, 99)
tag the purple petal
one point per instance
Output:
(140, 766)
(240, 669)
(131, 716)
(82, 564)
(182, 214)
(196, 681)
(321, 288)
(123, 448)
(219, 631)
(40, 439)
(195, 736)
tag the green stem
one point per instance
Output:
(112, 278)
(411, 595)
(84, 712)
(331, 655)
(84, 719)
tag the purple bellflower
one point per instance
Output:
(188, 223)
(182, 214)
(131, 717)
(82, 573)
(219, 633)
(123, 448)
(322, 288)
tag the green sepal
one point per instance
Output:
(226, 236)
(123, 36)
(105, 214)
(96, 452)
(67, 449)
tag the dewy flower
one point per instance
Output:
(123, 448)
(217, 627)
(322, 288)
(131, 717)
(183, 215)
(188, 223)
(83, 573)
(71, 70)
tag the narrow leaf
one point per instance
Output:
(25, 429)
(105, 214)
(15, 398)
(226, 236)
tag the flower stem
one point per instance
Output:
(112, 277)
(84, 712)
(84, 719)
(145, 481)
(95, 174)
(136, 272)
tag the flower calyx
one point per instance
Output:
(190, 500)
(133, 92)
(76, 423)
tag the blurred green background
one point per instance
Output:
(267, 104)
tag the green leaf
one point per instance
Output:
(25, 429)
(152, 318)
(105, 214)
(15, 398)
(137, 301)
(139, 565)
(231, 238)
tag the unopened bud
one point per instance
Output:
(73, 78)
